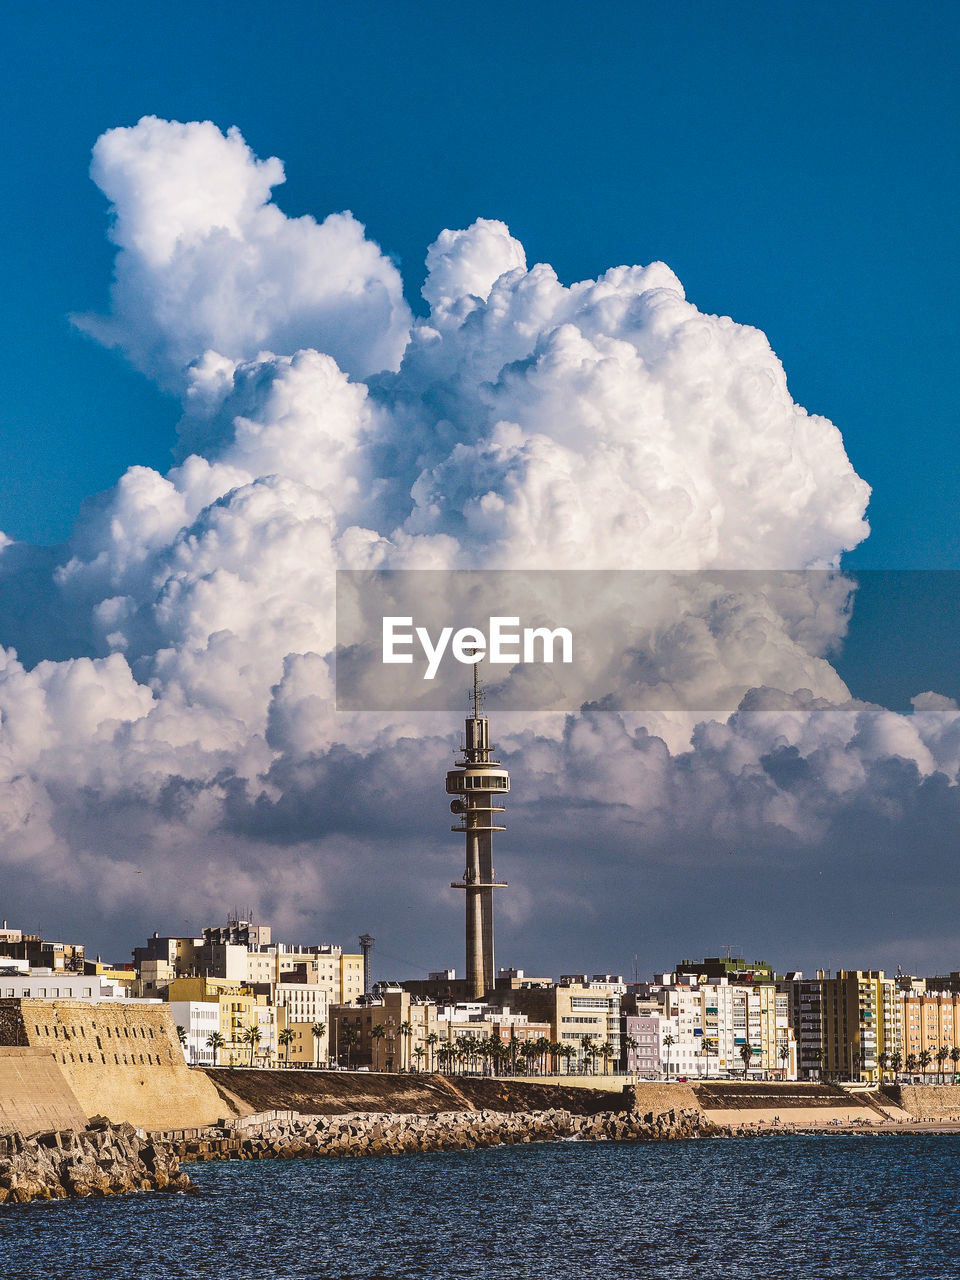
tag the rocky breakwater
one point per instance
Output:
(378, 1133)
(103, 1160)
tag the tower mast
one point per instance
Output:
(478, 783)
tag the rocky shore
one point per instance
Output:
(103, 1160)
(110, 1159)
(379, 1133)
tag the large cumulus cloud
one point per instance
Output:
(177, 751)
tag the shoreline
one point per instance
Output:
(107, 1160)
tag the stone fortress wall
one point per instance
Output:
(119, 1061)
(34, 1096)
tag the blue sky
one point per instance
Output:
(795, 165)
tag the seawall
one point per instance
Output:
(34, 1095)
(925, 1101)
(120, 1061)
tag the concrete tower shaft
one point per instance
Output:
(478, 782)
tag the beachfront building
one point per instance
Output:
(861, 1020)
(641, 1045)
(582, 1014)
(931, 1026)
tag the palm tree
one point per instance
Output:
(182, 1036)
(911, 1064)
(629, 1044)
(955, 1058)
(406, 1031)
(589, 1051)
(252, 1037)
(215, 1041)
(501, 1056)
(746, 1053)
(350, 1037)
(924, 1060)
(883, 1061)
(377, 1034)
(783, 1053)
(606, 1053)
(668, 1043)
(318, 1030)
(942, 1054)
(432, 1041)
(568, 1051)
(419, 1053)
(556, 1053)
(543, 1048)
(286, 1039)
(896, 1062)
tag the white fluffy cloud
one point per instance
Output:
(523, 424)
(205, 261)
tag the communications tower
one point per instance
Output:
(478, 783)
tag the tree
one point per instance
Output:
(746, 1053)
(432, 1041)
(567, 1052)
(630, 1045)
(252, 1037)
(377, 1034)
(529, 1051)
(955, 1058)
(419, 1053)
(406, 1031)
(942, 1054)
(668, 1042)
(215, 1041)
(911, 1063)
(182, 1036)
(318, 1030)
(896, 1062)
(286, 1039)
(606, 1053)
(350, 1037)
(783, 1053)
(556, 1053)
(589, 1048)
(883, 1061)
(924, 1060)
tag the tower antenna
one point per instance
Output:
(478, 785)
(477, 697)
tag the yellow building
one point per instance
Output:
(405, 1024)
(861, 1019)
(931, 1024)
(240, 1011)
(305, 1049)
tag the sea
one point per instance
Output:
(856, 1207)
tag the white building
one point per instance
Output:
(51, 984)
(199, 1019)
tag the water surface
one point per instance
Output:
(824, 1207)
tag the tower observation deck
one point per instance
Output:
(478, 783)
